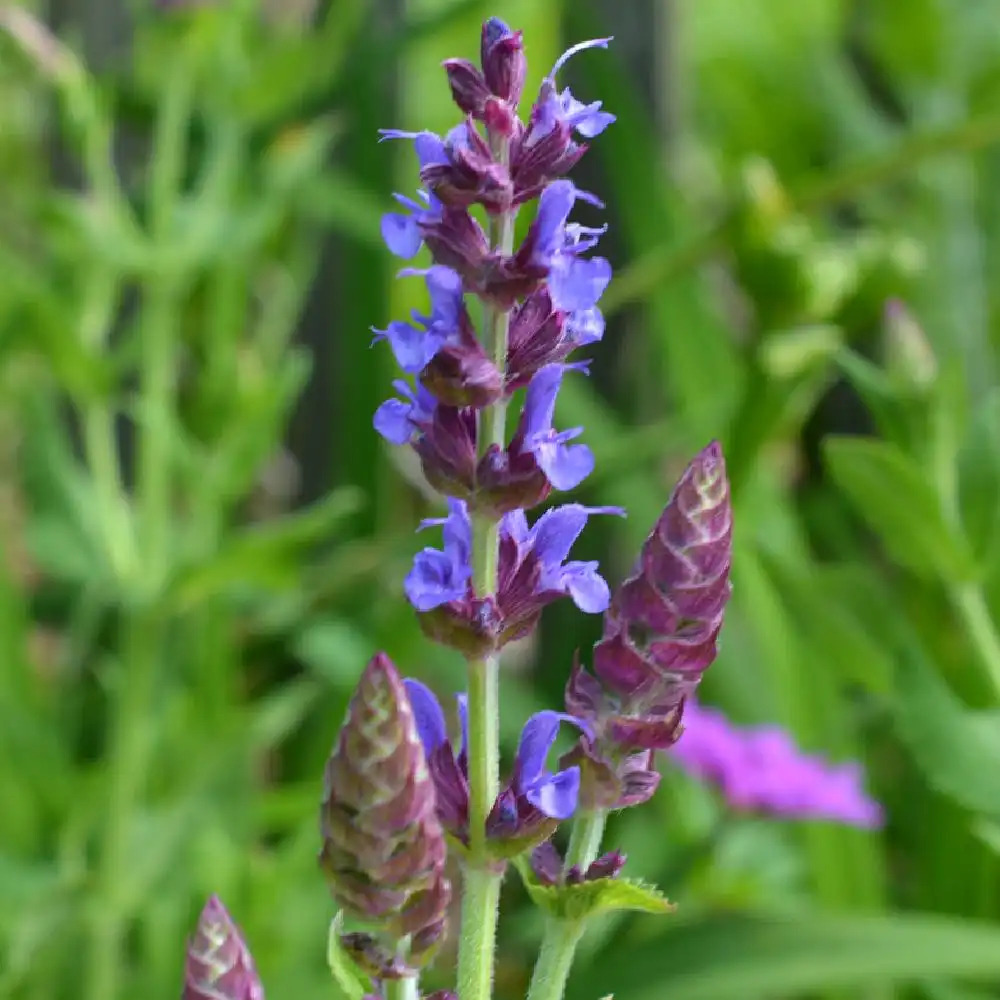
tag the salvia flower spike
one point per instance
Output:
(383, 847)
(218, 965)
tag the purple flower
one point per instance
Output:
(547, 864)
(554, 794)
(398, 420)
(553, 246)
(533, 561)
(584, 326)
(545, 148)
(400, 232)
(553, 108)
(540, 335)
(439, 576)
(760, 769)
(502, 56)
(414, 346)
(533, 795)
(565, 465)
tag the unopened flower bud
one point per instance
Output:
(659, 638)
(664, 620)
(383, 847)
(468, 88)
(547, 864)
(219, 965)
(504, 64)
(908, 353)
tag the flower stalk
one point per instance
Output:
(482, 879)
(561, 937)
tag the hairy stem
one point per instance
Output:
(548, 981)
(481, 884)
(585, 839)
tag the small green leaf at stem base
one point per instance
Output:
(353, 982)
(584, 900)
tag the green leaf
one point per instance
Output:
(589, 899)
(264, 552)
(989, 833)
(894, 498)
(352, 981)
(979, 479)
(957, 750)
(743, 956)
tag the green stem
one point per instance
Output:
(548, 981)
(968, 598)
(97, 419)
(154, 482)
(482, 876)
(585, 838)
(400, 989)
(975, 614)
(159, 324)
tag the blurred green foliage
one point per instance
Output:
(179, 632)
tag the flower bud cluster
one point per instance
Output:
(218, 965)
(383, 847)
(660, 634)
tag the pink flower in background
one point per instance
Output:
(760, 769)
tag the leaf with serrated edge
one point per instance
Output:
(589, 899)
(351, 980)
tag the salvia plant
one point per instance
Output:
(410, 784)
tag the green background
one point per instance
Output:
(202, 540)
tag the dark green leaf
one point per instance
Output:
(889, 491)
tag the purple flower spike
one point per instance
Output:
(439, 576)
(219, 965)
(565, 465)
(665, 619)
(762, 770)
